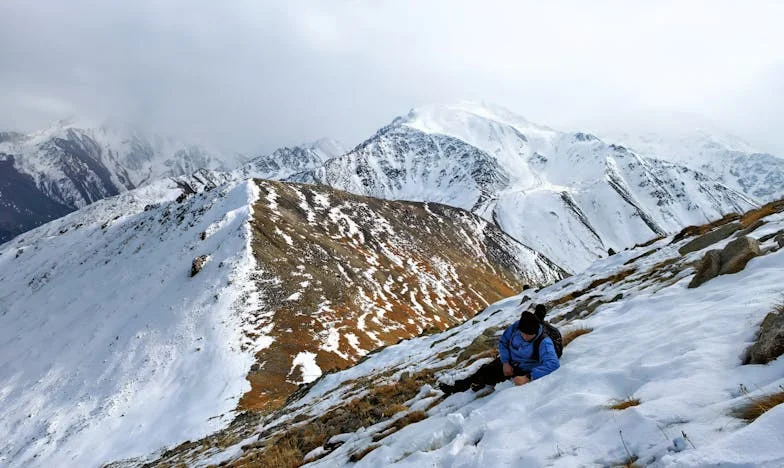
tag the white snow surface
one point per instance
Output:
(145, 356)
(677, 350)
(570, 196)
(696, 143)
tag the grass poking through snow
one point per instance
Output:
(572, 334)
(756, 407)
(620, 405)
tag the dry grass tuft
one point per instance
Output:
(756, 407)
(646, 244)
(379, 404)
(753, 216)
(694, 231)
(572, 334)
(410, 418)
(623, 404)
(357, 456)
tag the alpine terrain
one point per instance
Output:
(570, 196)
(672, 358)
(155, 316)
(49, 173)
(691, 141)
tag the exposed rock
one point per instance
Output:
(737, 254)
(198, 264)
(708, 268)
(710, 238)
(770, 343)
(770, 236)
(611, 251)
(780, 239)
(732, 259)
(756, 225)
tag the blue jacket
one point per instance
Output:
(513, 349)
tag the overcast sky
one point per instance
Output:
(256, 75)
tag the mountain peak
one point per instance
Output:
(449, 119)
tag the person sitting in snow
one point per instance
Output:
(525, 353)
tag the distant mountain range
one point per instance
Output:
(570, 196)
(563, 194)
(52, 172)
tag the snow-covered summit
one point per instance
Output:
(694, 142)
(286, 161)
(570, 196)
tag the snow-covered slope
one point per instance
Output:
(103, 333)
(695, 143)
(672, 353)
(68, 167)
(568, 195)
(110, 348)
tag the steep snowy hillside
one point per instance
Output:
(569, 196)
(697, 144)
(65, 167)
(146, 319)
(651, 373)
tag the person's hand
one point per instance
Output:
(521, 380)
(508, 371)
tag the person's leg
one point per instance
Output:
(489, 374)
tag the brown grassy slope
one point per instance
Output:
(337, 264)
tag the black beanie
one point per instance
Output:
(528, 324)
(540, 311)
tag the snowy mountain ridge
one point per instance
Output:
(154, 303)
(700, 145)
(563, 194)
(65, 167)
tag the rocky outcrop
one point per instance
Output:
(737, 254)
(707, 269)
(198, 264)
(732, 259)
(710, 238)
(770, 343)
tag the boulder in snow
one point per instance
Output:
(710, 238)
(707, 269)
(732, 259)
(770, 343)
(737, 254)
(198, 264)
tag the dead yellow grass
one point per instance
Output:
(410, 418)
(572, 334)
(693, 231)
(756, 407)
(765, 210)
(357, 456)
(620, 405)
(379, 404)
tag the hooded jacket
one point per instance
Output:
(514, 350)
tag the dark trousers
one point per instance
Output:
(489, 374)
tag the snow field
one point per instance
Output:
(145, 356)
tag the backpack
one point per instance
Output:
(554, 334)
